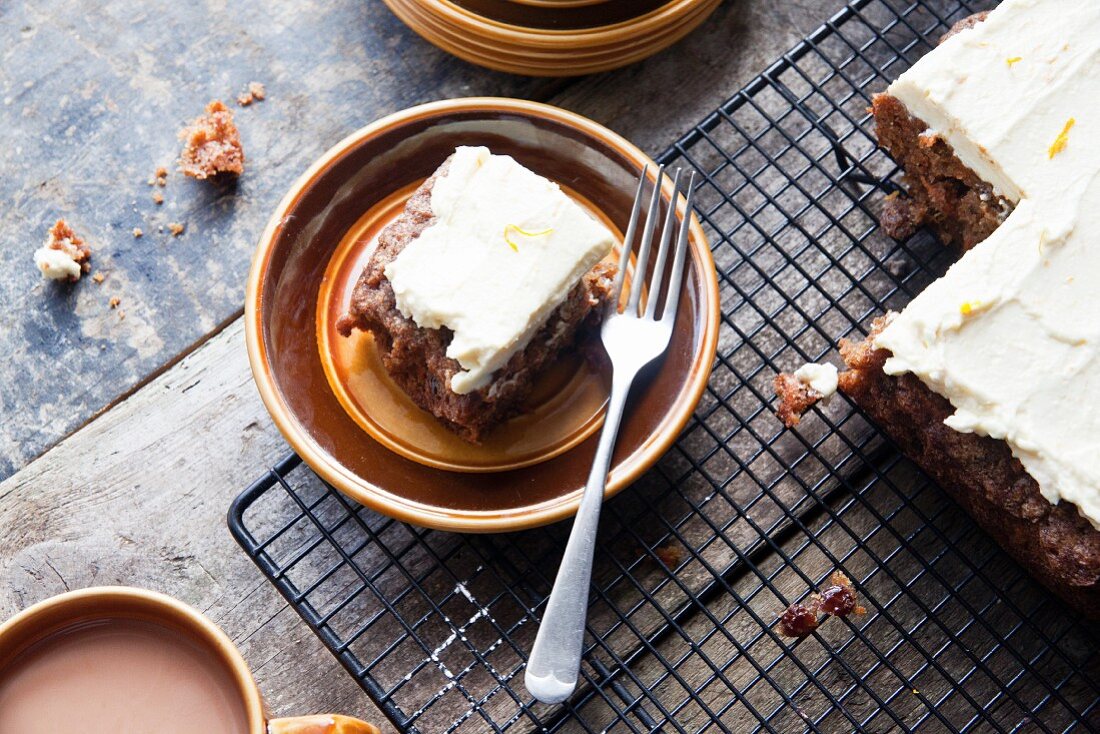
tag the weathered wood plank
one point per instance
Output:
(139, 497)
(92, 96)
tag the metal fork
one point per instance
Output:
(632, 339)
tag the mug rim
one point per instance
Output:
(166, 608)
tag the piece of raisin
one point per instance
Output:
(797, 621)
(838, 601)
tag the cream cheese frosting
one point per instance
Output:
(504, 251)
(56, 264)
(1011, 334)
(821, 378)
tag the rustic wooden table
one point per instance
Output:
(123, 440)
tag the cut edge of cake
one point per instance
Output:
(1054, 541)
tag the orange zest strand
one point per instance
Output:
(1059, 143)
(508, 229)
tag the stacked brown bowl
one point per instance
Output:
(552, 37)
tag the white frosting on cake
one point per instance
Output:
(821, 378)
(506, 248)
(1011, 334)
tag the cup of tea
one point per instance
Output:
(119, 659)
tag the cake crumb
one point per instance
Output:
(98, 277)
(254, 93)
(161, 172)
(176, 228)
(801, 390)
(121, 315)
(137, 232)
(212, 144)
(837, 599)
(158, 198)
(162, 181)
(1014, 60)
(65, 255)
(115, 300)
(670, 554)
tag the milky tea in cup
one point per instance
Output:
(114, 675)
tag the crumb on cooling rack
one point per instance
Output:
(837, 599)
(801, 390)
(670, 554)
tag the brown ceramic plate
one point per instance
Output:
(328, 201)
(550, 52)
(558, 3)
(565, 408)
(550, 55)
(621, 20)
(560, 17)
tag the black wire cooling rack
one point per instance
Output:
(741, 517)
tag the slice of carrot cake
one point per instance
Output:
(990, 378)
(489, 274)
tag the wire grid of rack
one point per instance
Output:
(741, 518)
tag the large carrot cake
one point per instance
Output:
(990, 378)
(489, 274)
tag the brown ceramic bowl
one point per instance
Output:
(552, 59)
(333, 195)
(559, 17)
(539, 39)
(558, 3)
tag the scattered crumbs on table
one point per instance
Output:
(176, 228)
(138, 232)
(158, 198)
(255, 93)
(99, 276)
(115, 300)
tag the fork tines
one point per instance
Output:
(643, 302)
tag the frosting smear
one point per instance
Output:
(1011, 334)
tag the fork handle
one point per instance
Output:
(554, 665)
